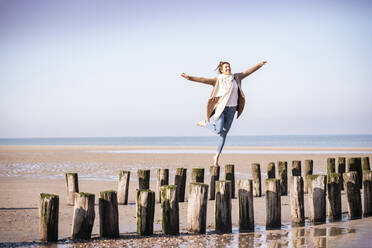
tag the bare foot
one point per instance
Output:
(201, 123)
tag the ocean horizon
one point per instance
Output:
(362, 140)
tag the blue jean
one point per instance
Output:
(222, 125)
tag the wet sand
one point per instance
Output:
(27, 171)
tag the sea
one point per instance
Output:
(360, 140)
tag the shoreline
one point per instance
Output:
(83, 147)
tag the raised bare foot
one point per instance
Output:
(201, 123)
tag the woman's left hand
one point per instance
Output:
(262, 63)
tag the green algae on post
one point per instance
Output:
(48, 208)
(170, 209)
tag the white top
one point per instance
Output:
(233, 100)
(224, 88)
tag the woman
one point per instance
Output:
(226, 98)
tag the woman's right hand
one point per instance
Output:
(185, 76)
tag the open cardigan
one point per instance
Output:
(214, 100)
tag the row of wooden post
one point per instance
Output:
(222, 191)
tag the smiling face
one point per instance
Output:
(225, 69)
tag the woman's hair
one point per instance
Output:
(219, 67)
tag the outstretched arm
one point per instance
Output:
(210, 81)
(252, 69)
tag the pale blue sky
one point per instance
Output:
(112, 68)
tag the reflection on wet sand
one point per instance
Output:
(308, 236)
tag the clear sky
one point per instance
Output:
(112, 68)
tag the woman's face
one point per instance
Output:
(226, 69)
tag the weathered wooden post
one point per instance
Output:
(180, 181)
(48, 213)
(317, 197)
(72, 186)
(341, 170)
(214, 172)
(197, 208)
(367, 192)
(223, 207)
(108, 214)
(197, 175)
(245, 198)
(143, 179)
(296, 168)
(334, 196)
(283, 176)
(331, 165)
(271, 170)
(230, 175)
(365, 163)
(162, 176)
(170, 211)
(297, 200)
(355, 164)
(354, 201)
(273, 204)
(145, 203)
(123, 187)
(308, 170)
(83, 217)
(256, 174)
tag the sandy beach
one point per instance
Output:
(26, 171)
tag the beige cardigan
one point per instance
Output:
(214, 100)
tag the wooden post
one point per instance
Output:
(108, 214)
(297, 201)
(341, 170)
(170, 211)
(72, 187)
(48, 213)
(223, 207)
(245, 198)
(355, 164)
(145, 203)
(273, 204)
(197, 208)
(180, 181)
(365, 163)
(331, 165)
(283, 176)
(162, 176)
(317, 197)
(308, 170)
(334, 196)
(143, 179)
(256, 174)
(367, 193)
(214, 172)
(123, 187)
(354, 201)
(83, 217)
(271, 170)
(230, 176)
(296, 168)
(197, 175)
